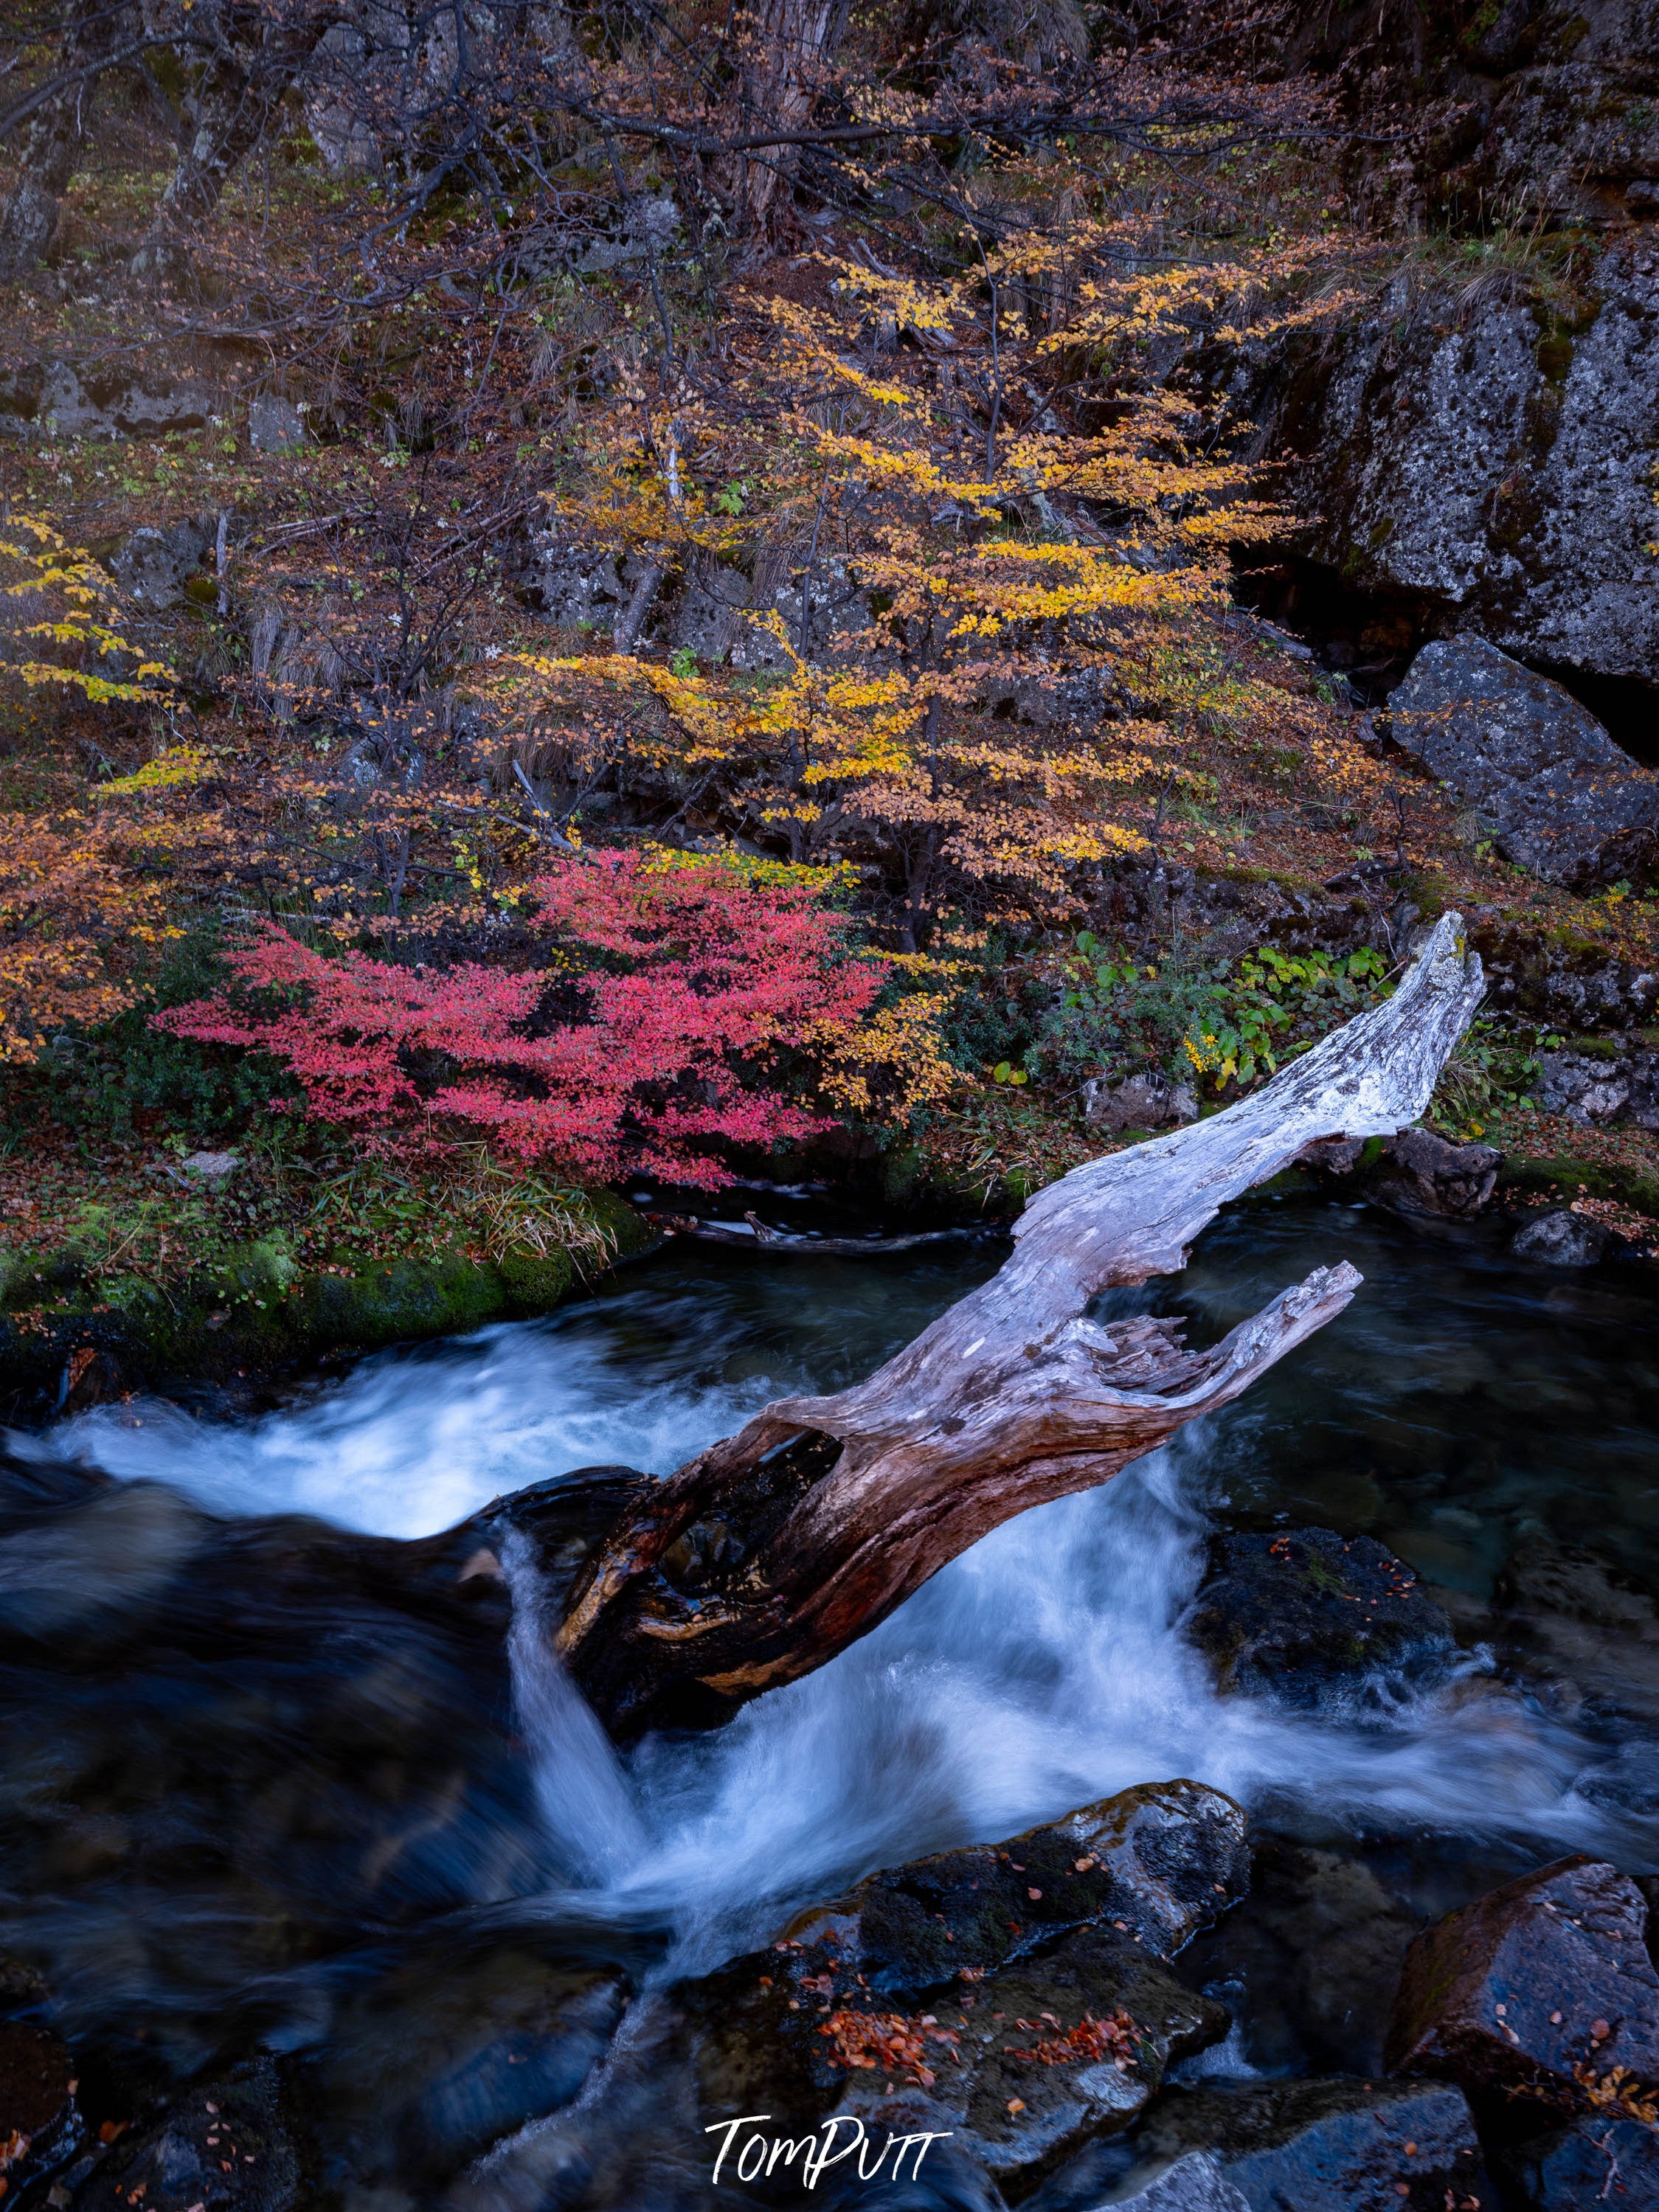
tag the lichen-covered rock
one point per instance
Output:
(1331, 2144)
(64, 399)
(1558, 1237)
(152, 566)
(1540, 1990)
(1486, 456)
(1594, 1089)
(1564, 801)
(1561, 980)
(1305, 1616)
(1146, 1101)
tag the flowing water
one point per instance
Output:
(263, 1785)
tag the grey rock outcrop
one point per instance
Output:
(1147, 1101)
(151, 565)
(1470, 449)
(58, 398)
(275, 425)
(1591, 1090)
(1564, 801)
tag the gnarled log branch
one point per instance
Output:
(773, 1550)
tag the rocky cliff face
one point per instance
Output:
(1477, 445)
(1488, 456)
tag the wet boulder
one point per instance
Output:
(1417, 1172)
(1019, 2068)
(1157, 1863)
(1017, 1989)
(226, 2147)
(1563, 800)
(1601, 2159)
(1305, 1616)
(1334, 2144)
(41, 2127)
(1558, 1237)
(1542, 1991)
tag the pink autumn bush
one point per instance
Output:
(684, 996)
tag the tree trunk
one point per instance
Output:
(793, 39)
(775, 1548)
(51, 151)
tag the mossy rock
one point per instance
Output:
(257, 1309)
(534, 1282)
(407, 1298)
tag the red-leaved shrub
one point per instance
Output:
(690, 988)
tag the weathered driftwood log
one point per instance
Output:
(773, 1550)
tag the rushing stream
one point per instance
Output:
(261, 1787)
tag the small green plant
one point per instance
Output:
(1224, 1023)
(1489, 1073)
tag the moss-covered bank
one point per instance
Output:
(69, 1336)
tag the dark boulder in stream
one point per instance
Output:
(1304, 1617)
(40, 2123)
(1562, 1238)
(1418, 1172)
(1013, 1995)
(1329, 2144)
(1599, 2160)
(1540, 1992)
(226, 2147)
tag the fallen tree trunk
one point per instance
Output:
(773, 1550)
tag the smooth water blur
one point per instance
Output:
(1461, 1404)
(670, 1354)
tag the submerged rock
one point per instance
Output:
(1562, 1238)
(1563, 800)
(1539, 1991)
(1318, 1943)
(224, 2148)
(1330, 2144)
(1305, 1615)
(1567, 1613)
(1598, 2160)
